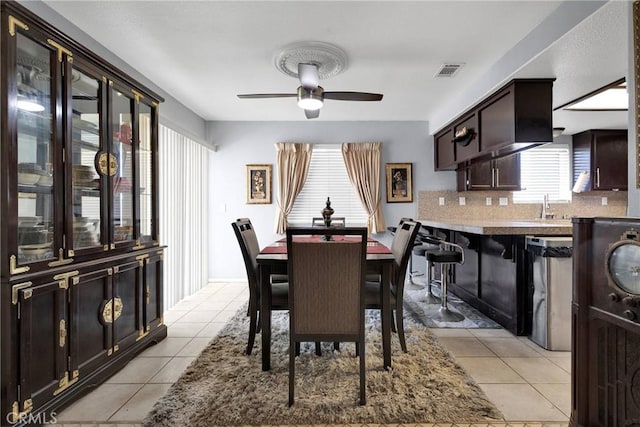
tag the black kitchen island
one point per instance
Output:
(494, 278)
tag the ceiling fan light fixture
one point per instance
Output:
(310, 99)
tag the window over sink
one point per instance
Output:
(545, 170)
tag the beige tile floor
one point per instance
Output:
(531, 386)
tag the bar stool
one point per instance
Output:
(430, 243)
(419, 250)
(446, 256)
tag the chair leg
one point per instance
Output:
(318, 349)
(253, 321)
(293, 350)
(393, 323)
(363, 398)
(336, 345)
(400, 322)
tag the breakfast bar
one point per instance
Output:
(495, 277)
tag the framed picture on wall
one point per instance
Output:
(399, 183)
(258, 184)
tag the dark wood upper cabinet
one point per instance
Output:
(497, 174)
(467, 147)
(445, 151)
(603, 154)
(516, 117)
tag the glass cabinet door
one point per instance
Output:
(35, 151)
(86, 183)
(145, 158)
(121, 172)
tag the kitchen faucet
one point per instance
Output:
(546, 213)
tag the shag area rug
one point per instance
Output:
(223, 386)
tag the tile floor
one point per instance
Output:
(531, 386)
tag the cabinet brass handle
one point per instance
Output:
(63, 333)
(597, 177)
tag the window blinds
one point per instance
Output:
(327, 178)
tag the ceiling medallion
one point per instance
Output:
(330, 59)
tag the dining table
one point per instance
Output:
(272, 259)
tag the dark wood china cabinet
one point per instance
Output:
(81, 265)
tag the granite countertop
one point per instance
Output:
(534, 227)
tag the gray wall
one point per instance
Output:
(241, 143)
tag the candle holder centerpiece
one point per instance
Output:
(326, 216)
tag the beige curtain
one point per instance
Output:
(363, 166)
(292, 161)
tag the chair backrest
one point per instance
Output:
(326, 282)
(335, 221)
(250, 248)
(401, 247)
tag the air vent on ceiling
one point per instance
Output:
(449, 70)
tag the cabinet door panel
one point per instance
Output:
(472, 147)
(466, 275)
(127, 289)
(121, 176)
(480, 176)
(445, 150)
(153, 292)
(42, 341)
(498, 287)
(507, 172)
(147, 162)
(93, 338)
(496, 121)
(610, 153)
(85, 119)
(36, 153)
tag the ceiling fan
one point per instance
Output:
(311, 96)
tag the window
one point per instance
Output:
(327, 178)
(183, 164)
(545, 170)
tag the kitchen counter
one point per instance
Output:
(536, 227)
(495, 276)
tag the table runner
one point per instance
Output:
(280, 247)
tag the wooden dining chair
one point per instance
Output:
(326, 290)
(401, 247)
(250, 249)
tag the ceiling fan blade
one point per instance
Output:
(308, 75)
(353, 96)
(312, 114)
(267, 95)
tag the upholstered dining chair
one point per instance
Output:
(401, 247)
(250, 249)
(326, 291)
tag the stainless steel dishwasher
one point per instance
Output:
(550, 266)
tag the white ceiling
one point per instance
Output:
(203, 53)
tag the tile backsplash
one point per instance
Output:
(473, 205)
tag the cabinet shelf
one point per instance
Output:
(35, 189)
